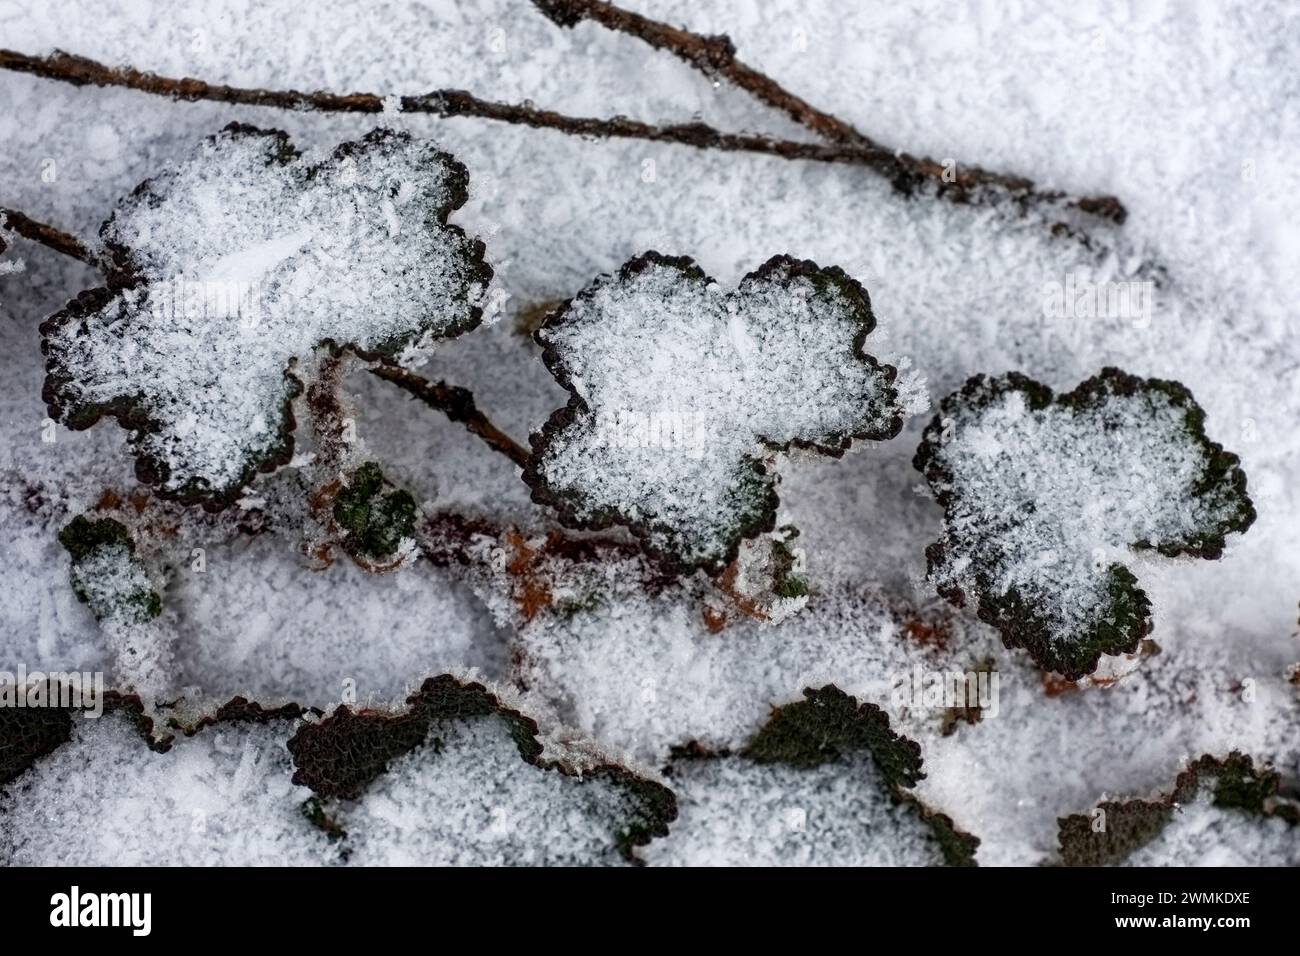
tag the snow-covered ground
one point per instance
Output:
(1188, 112)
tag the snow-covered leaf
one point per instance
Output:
(120, 591)
(1046, 497)
(680, 393)
(105, 574)
(458, 778)
(825, 782)
(461, 778)
(230, 269)
(1221, 812)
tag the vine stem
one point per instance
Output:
(458, 405)
(47, 235)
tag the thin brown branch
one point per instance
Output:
(715, 56)
(458, 405)
(80, 71)
(330, 422)
(900, 170)
(46, 235)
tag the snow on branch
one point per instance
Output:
(715, 56)
(845, 145)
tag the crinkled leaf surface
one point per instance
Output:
(1045, 497)
(680, 390)
(230, 269)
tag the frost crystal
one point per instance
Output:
(1045, 497)
(680, 392)
(230, 269)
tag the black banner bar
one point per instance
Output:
(256, 906)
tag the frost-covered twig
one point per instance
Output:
(47, 235)
(82, 71)
(458, 405)
(712, 55)
(906, 172)
(716, 56)
(329, 417)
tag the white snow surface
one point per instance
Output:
(735, 812)
(316, 636)
(1188, 112)
(646, 676)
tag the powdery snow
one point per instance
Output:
(735, 812)
(645, 674)
(317, 636)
